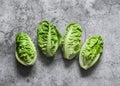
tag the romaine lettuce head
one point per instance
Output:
(71, 41)
(25, 50)
(91, 51)
(48, 38)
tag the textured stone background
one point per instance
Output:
(95, 16)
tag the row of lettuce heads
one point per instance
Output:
(49, 40)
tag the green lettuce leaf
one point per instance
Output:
(25, 50)
(91, 51)
(48, 38)
(71, 41)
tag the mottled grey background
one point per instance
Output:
(95, 16)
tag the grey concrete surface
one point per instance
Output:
(95, 16)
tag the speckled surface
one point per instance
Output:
(95, 16)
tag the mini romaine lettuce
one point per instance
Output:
(91, 51)
(48, 38)
(71, 41)
(25, 50)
